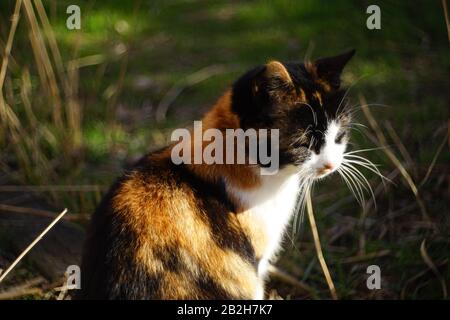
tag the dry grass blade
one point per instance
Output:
(117, 88)
(368, 256)
(323, 264)
(381, 186)
(44, 64)
(286, 277)
(398, 142)
(432, 266)
(448, 132)
(7, 115)
(63, 290)
(43, 213)
(26, 288)
(88, 61)
(433, 162)
(447, 21)
(51, 39)
(8, 46)
(392, 157)
(414, 278)
(69, 82)
(32, 244)
(12, 63)
(25, 94)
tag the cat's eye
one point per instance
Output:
(339, 137)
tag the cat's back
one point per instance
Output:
(136, 213)
(160, 233)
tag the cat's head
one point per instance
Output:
(306, 102)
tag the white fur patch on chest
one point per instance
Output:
(271, 205)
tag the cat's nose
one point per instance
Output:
(327, 168)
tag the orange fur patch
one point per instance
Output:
(276, 69)
(221, 117)
(318, 97)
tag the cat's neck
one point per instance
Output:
(280, 189)
(242, 176)
(266, 212)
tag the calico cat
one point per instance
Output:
(209, 231)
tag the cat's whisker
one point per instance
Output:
(363, 179)
(348, 112)
(357, 130)
(360, 191)
(371, 168)
(347, 91)
(301, 138)
(320, 131)
(349, 184)
(360, 187)
(358, 176)
(355, 157)
(367, 164)
(312, 111)
(359, 124)
(364, 150)
(351, 125)
(356, 107)
(305, 186)
(311, 143)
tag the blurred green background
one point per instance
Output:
(80, 105)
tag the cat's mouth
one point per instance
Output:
(325, 170)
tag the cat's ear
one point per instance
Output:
(273, 77)
(329, 69)
(276, 71)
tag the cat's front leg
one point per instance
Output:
(263, 265)
(260, 291)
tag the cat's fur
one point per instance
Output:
(167, 231)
